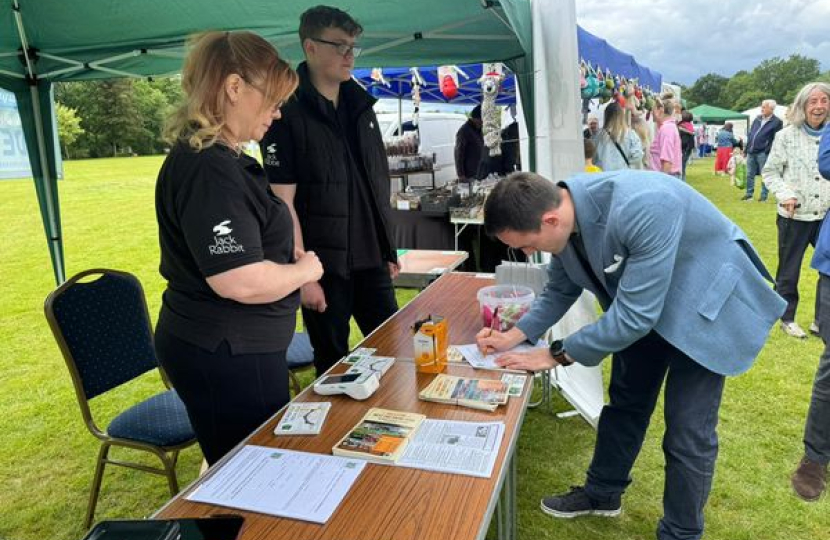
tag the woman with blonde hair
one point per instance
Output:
(617, 145)
(791, 174)
(227, 244)
(641, 128)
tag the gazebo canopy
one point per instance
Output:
(46, 41)
(716, 115)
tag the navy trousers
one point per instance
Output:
(690, 443)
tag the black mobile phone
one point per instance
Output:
(339, 379)
(138, 529)
(216, 527)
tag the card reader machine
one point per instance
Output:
(355, 385)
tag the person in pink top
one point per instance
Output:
(666, 155)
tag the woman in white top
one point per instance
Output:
(618, 146)
(791, 174)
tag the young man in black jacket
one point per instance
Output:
(326, 159)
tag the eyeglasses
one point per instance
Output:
(274, 108)
(343, 49)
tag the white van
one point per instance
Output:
(436, 133)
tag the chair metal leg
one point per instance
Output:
(170, 473)
(175, 455)
(103, 452)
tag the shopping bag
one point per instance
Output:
(740, 176)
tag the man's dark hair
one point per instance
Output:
(686, 116)
(590, 148)
(518, 202)
(475, 114)
(317, 19)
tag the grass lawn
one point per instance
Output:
(109, 221)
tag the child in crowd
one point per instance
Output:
(590, 152)
(736, 167)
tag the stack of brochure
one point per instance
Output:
(412, 440)
(381, 436)
(486, 394)
(364, 359)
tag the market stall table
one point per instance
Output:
(420, 267)
(461, 223)
(416, 229)
(388, 501)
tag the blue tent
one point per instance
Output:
(599, 52)
(469, 91)
(592, 49)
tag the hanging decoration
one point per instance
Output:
(490, 81)
(417, 82)
(448, 80)
(377, 76)
(590, 89)
(602, 84)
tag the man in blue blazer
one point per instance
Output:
(686, 299)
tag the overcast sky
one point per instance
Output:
(686, 39)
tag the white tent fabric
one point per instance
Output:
(559, 154)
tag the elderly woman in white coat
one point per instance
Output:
(803, 195)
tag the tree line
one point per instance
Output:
(126, 116)
(114, 117)
(776, 78)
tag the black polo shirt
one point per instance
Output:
(216, 212)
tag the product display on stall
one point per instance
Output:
(430, 343)
(485, 394)
(381, 436)
(378, 365)
(304, 418)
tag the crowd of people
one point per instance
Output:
(244, 245)
(626, 140)
(793, 162)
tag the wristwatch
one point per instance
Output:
(557, 351)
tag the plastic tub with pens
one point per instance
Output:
(503, 305)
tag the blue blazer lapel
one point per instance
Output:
(574, 269)
(591, 221)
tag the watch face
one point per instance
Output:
(557, 348)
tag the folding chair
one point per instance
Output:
(100, 321)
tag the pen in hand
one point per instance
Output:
(488, 349)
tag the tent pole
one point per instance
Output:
(50, 219)
(53, 239)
